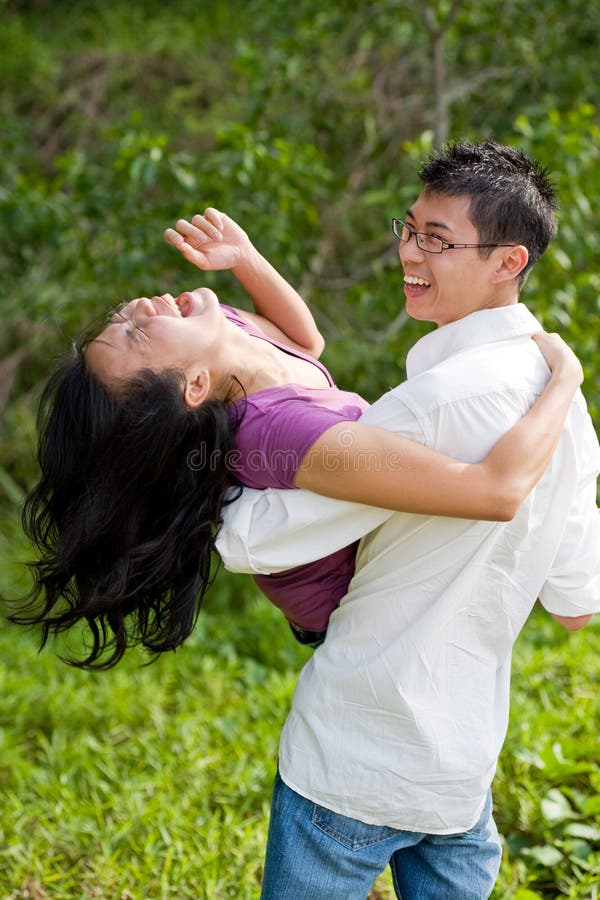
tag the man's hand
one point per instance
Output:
(211, 241)
(572, 623)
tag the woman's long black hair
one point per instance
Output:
(126, 511)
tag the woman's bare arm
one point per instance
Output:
(367, 464)
(214, 241)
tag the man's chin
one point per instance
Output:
(418, 311)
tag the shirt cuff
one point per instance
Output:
(580, 600)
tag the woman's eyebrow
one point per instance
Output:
(99, 340)
(116, 310)
(129, 332)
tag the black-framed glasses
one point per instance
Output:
(430, 243)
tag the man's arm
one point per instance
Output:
(270, 531)
(572, 623)
(571, 593)
(273, 530)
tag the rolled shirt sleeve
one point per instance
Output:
(572, 586)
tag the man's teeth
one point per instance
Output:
(412, 279)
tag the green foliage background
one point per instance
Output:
(306, 122)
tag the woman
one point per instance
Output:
(145, 430)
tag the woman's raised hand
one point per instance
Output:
(559, 356)
(210, 241)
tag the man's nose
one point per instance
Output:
(409, 251)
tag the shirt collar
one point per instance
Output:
(482, 327)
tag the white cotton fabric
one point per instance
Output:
(399, 717)
(272, 530)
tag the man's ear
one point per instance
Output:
(511, 261)
(197, 389)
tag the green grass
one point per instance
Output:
(154, 782)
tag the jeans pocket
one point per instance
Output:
(350, 833)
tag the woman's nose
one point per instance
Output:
(144, 306)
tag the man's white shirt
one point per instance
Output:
(399, 717)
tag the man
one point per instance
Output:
(391, 744)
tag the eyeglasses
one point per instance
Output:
(429, 242)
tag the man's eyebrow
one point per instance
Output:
(432, 223)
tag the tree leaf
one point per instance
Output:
(555, 807)
(544, 856)
(526, 894)
(581, 830)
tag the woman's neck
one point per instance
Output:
(256, 364)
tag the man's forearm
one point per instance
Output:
(572, 623)
(273, 530)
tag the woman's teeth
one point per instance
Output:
(183, 306)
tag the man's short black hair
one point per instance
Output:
(512, 199)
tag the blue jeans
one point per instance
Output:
(313, 854)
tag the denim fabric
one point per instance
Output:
(314, 853)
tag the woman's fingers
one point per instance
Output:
(173, 237)
(199, 229)
(202, 229)
(196, 257)
(189, 242)
(197, 232)
(204, 241)
(558, 354)
(214, 218)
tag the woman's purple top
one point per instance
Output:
(278, 428)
